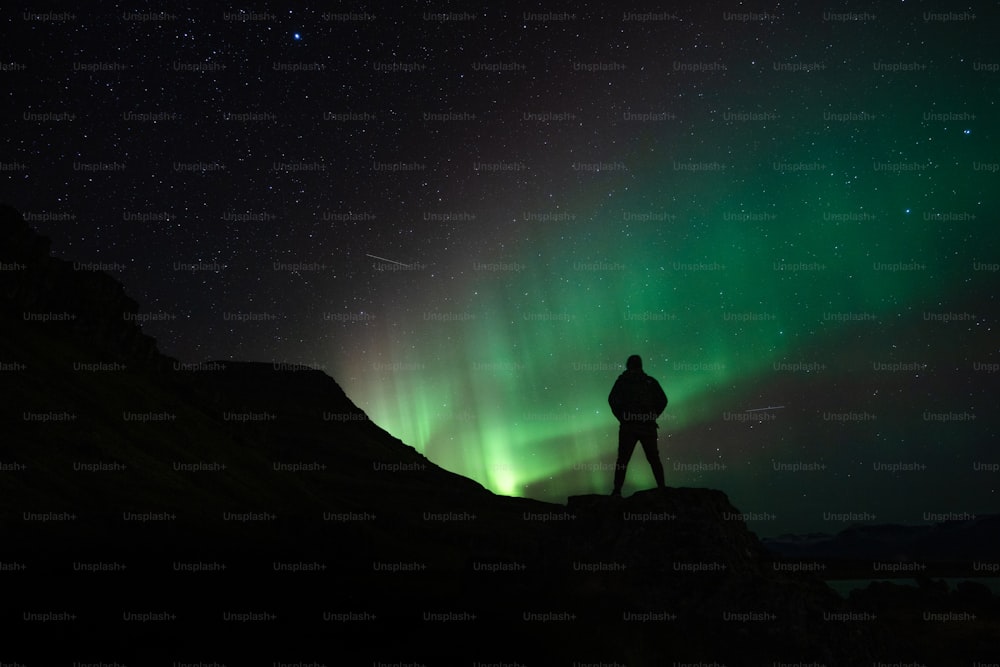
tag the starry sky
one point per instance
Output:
(470, 218)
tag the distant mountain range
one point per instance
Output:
(973, 539)
(151, 508)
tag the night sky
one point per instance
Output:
(470, 218)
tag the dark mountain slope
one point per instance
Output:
(152, 508)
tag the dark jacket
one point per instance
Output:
(637, 398)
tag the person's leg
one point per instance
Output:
(648, 440)
(626, 445)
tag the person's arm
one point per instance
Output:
(661, 401)
(614, 400)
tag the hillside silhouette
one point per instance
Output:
(253, 509)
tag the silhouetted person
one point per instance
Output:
(636, 400)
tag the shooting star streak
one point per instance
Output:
(770, 407)
(386, 260)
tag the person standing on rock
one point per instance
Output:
(637, 400)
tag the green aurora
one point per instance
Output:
(505, 378)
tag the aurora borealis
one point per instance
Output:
(801, 309)
(471, 220)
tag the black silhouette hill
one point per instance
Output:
(254, 509)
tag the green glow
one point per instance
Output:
(515, 395)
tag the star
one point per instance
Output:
(524, 282)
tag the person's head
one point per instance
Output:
(634, 363)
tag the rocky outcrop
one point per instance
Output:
(353, 541)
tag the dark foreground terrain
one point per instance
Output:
(162, 513)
